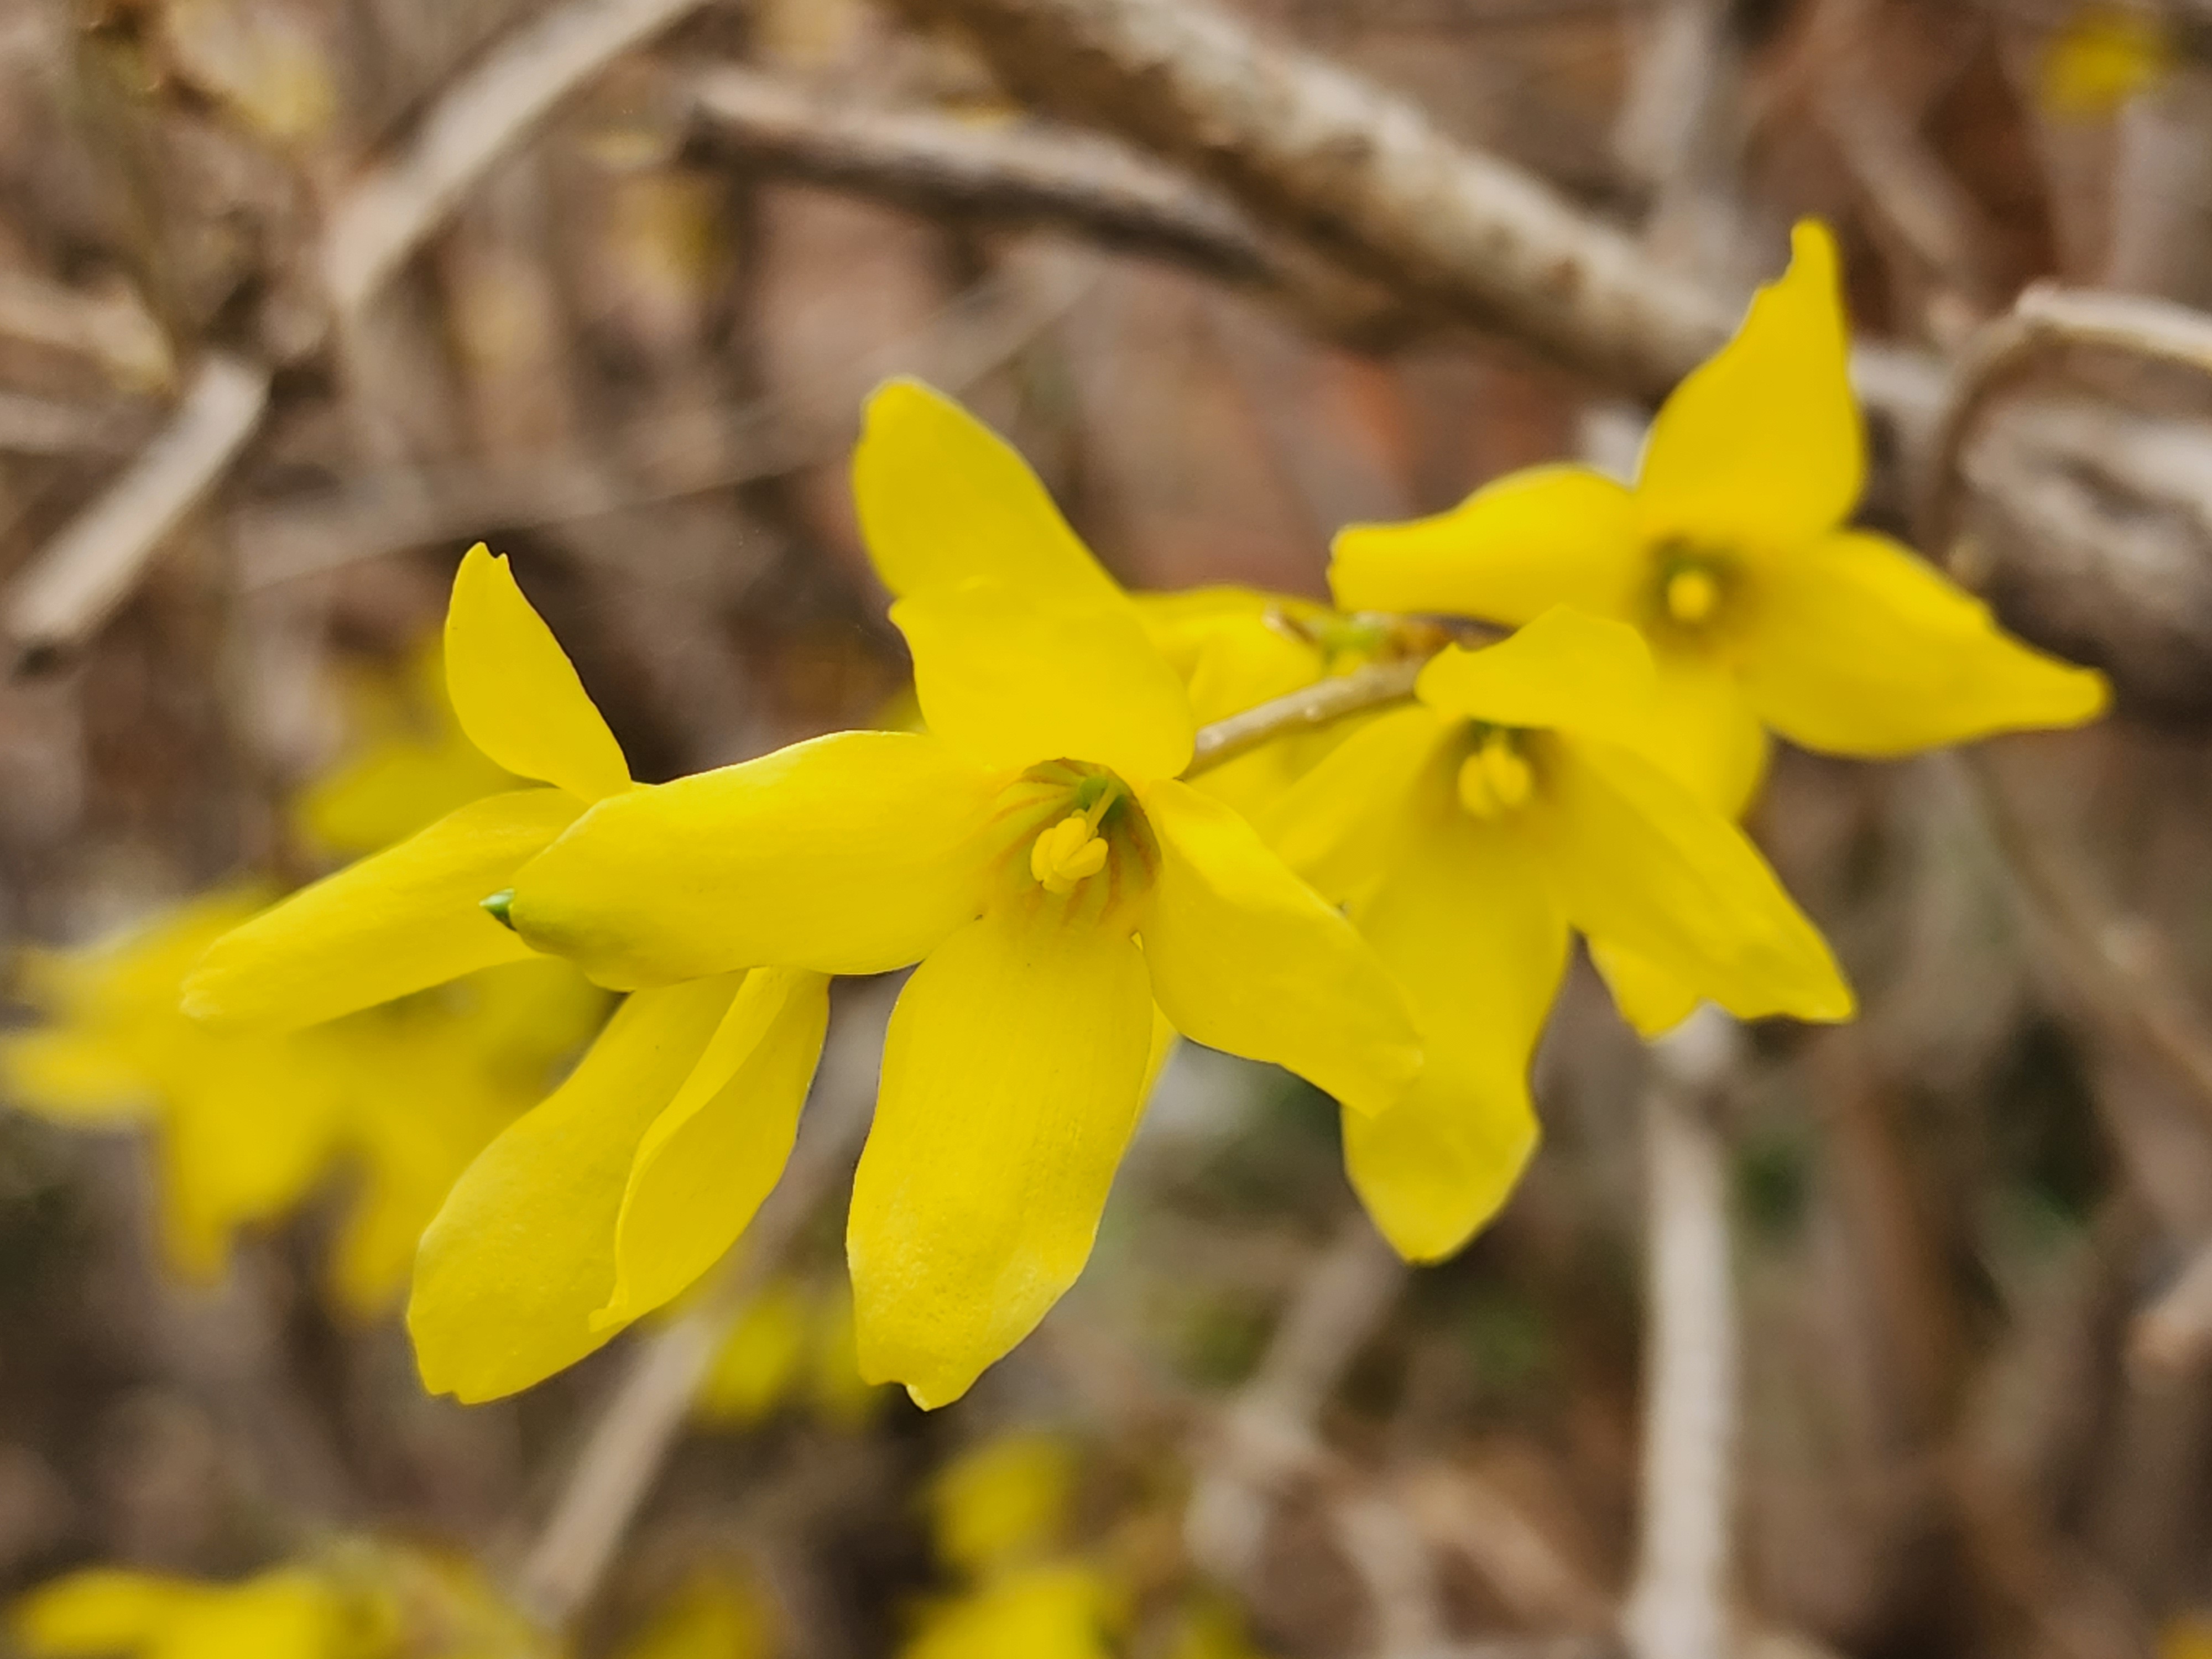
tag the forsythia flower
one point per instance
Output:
(249, 1123)
(790, 1343)
(1035, 853)
(1730, 555)
(1470, 832)
(2101, 56)
(411, 916)
(712, 1615)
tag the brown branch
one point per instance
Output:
(88, 570)
(1362, 174)
(1032, 175)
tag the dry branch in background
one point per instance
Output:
(1365, 176)
(90, 567)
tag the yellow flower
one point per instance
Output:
(1469, 832)
(1058, 1611)
(1003, 1501)
(411, 764)
(289, 1613)
(249, 1123)
(712, 1615)
(1728, 553)
(793, 1343)
(411, 917)
(2100, 58)
(1035, 853)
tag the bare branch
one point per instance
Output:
(1323, 703)
(1032, 175)
(1364, 175)
(1678, 1608)
(110, 326)
(388, 214)
(88, 570)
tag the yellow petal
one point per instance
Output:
(1054, 1610)
(944, 501)
(1012, 1077)
(101, 1610)
(400, 921)
(1635, 860)
(1232, 646)
(1008, 684)
(1567, 670)
(853, 853)
(1859, 647)
(286, 1614)
(1339, 826)
(1006, 1499)
(1246, 958)
(1465, 923)
(1547, 536)
(1651, 999)
(761, 1359)
(2100, 58)
(523, 1253)
(1762, 447)
(713, 1154)
(1704, 731)
(514, 690)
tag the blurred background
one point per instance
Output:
(298, 298)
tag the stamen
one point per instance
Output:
(1691, 595)
(1068, 852)
(1496, 779)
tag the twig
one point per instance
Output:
(1320, 704)
(87, 571)
(2174, 1334)
(1033, 175)
(1364, 175)
(1678, 1607)
(2021, 344)
(1267, 1435)
(388, 214)
(634, 1429)
(2116, 967)
(109, 326)
(39, 426)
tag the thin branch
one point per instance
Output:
(1323, 703)
(1678, 1608)
(110, 326)
(389, 212)
(2174, 1335)
(1032, 174)
(1364, 175)
(2021, 345)
(84, 572)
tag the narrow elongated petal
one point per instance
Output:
(523, 1253)
(514, 690)
(1704, 731)
(1339, 825)
(1013, 1074)
(1651, 999)
(102, 1610)
(1550, 535)
(400, 921)
(1762, 447)
(1862, 648)
(944, 501)
(1635, 860)
(252, 1123)
(1008, 684)
(277, 1616)
(851, 853)
(1567, 670)
(713, 1154)
(1465, 922)
(1245, 958)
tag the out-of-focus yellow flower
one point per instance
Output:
(289, 1613)
(1211, 1628)
(1730, 555)
(2101, 56)
(793, 1345)
(410, 763)
(1469, 832)
(712, 1615)
(1005, 1501)
(411, 916)
(1063, 1610)
(1019, 852)
(247, 1124)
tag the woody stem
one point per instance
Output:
(1307, 709)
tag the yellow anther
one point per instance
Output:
(1496, 779)
(1067, 853)
(1691, 595)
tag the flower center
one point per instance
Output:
(1064, 855)
(1497, 778)
(1691, 595)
